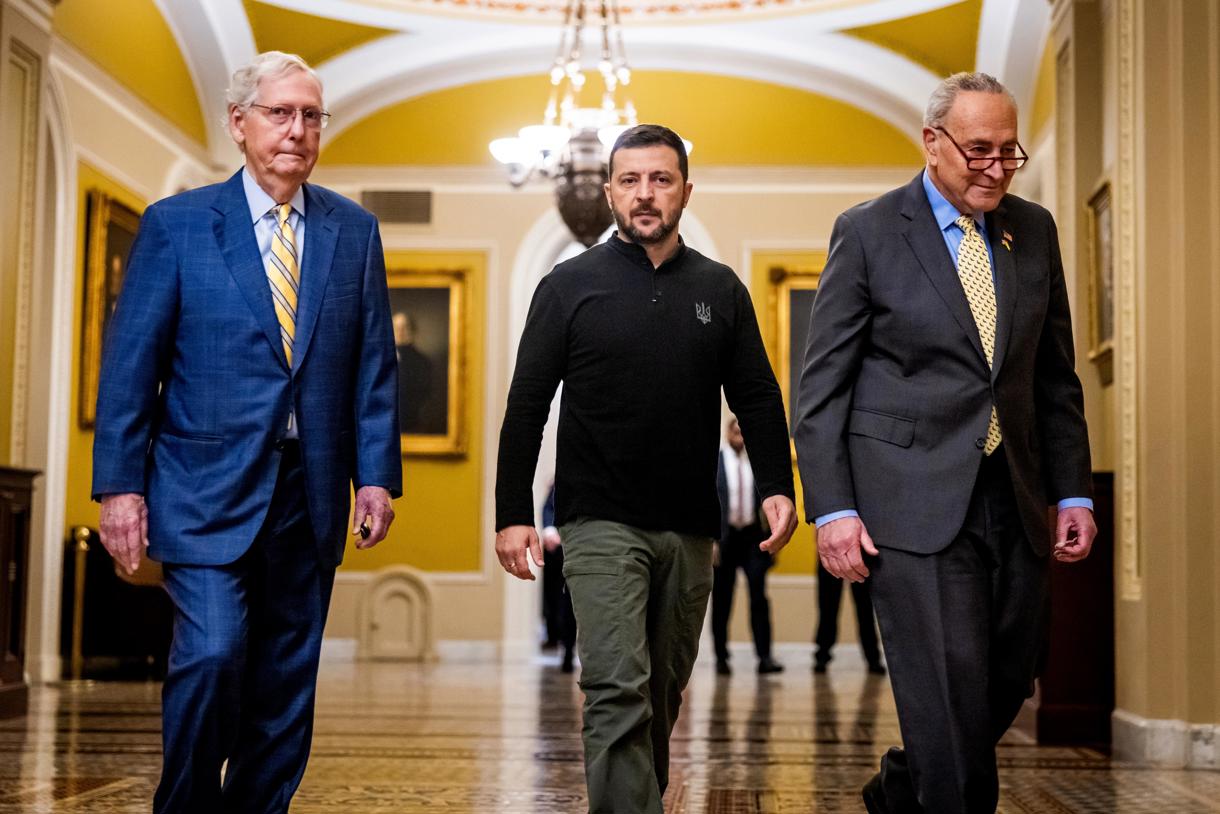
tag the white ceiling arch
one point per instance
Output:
(404, 15)
(434, 51)
(395, 69)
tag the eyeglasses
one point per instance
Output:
(978, 163)
(279, 115)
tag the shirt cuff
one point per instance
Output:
(1074, 502)
(826, 518)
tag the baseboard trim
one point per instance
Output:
(335, 649)
(1165, 743)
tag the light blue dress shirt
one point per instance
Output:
(266, 220)
(946, 216)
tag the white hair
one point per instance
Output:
(243, 88)
(941, 100)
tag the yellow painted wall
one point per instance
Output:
(1044, 93)
(437, 521)
(437, 526)
(944, 40)
(800, 554)
(752, 123)
(79, 510)
(130, 40)
(315, 39)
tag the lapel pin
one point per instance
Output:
(1007, 240)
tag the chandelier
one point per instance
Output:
(572, 143)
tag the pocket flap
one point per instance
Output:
(589, 569)
(892, 429)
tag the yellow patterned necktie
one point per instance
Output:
(283, 272)
(974, 270)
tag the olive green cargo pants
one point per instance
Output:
(640, 598)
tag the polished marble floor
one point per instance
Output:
(488, 737)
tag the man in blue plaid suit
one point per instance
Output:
(248, 383)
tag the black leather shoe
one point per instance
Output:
(567, 666)
(722, 667)
(769, 665)
(819, 667)
(874, 796)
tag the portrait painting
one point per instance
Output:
(1101, 282)
(427, 312)
(111, 231)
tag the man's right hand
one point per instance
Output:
(511, 544)
(839, 545)
(124, 529)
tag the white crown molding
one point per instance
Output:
(68, 63)
(215, 39)
(1012, 34)
(38, 12)
(715, 180)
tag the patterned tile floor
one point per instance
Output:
(486, 737)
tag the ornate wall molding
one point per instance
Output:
(25, 69)
(1126, 305)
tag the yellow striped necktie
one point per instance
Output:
(974, 270)
(283, 272)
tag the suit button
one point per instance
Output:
(980, 442)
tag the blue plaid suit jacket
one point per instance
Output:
(195, 388)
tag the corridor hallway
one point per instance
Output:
(485, 737)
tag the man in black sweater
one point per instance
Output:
(643, 332)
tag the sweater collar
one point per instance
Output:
(636, 253)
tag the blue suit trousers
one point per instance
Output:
(243, 666)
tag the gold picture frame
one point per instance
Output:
(791, 286)
(428, 310)
(1101, 282)
(111, 230)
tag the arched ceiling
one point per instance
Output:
(881, 57)
(754, 123)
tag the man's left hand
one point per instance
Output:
(1074, 533)
(373, 510)
(781, 515)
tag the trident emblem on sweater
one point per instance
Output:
(703, 312)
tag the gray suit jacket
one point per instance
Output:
(895, 394)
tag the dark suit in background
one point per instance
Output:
(556, 601)
(830, 595)
(738, 548)
(894, 404)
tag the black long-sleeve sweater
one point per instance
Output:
(642, 355)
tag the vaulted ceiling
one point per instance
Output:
(788, 77)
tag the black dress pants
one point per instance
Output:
(830, 594)
(740, 550)
(964, 632)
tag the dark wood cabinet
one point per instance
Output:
(16, 495)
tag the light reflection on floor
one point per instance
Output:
(489, 737)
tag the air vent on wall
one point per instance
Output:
(398, 205)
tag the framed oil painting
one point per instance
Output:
(1101, 282)
(111, 231)
(428, 309)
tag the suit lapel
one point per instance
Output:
(235, 236)
(1006, 283)
(322, 233)
(928, 244)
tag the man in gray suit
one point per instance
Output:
(939, 415)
